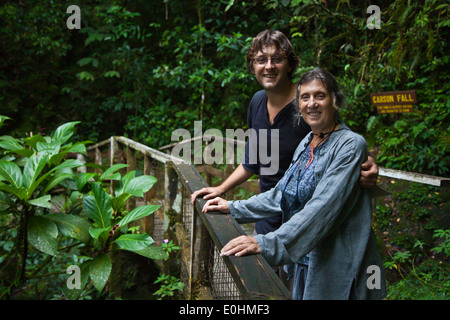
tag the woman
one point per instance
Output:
(326, 214)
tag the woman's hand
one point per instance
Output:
(241, 246)
(217, 204)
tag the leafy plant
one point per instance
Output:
(168, 246)
(93, 219)
(427, 280)
(412, 222)
(109, 223)
(169, 286)
(444, 246)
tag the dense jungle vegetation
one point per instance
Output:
(142, 69)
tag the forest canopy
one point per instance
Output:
(145, 68)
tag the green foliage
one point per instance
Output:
(444, 244)
(168, 246)
(413, 224)
(91, 219)
(429, 280)
(144, 69)
(170, 285)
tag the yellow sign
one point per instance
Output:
(394, 102)
(395, 108)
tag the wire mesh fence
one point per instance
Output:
(222, 283)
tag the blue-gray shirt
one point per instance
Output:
(334, 226)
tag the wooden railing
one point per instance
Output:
(201, 236)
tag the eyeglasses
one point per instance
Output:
(261, 61)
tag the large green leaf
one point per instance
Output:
(135, 186)
(139, 185)
(43, 202)
(120, 188)
(109, 173)
(79, 147)
(11, 173)
(83, 178)
(73, 294)
(64, 132)
(68, 164)
(118, 201)
(134, 242)
(98, 232)
(10, 144)
(71, 225)
(98, 206)
(152, 252)
(55, 180)
(138, 213)
(42, 234)
(20, 193)
(51, 148)
(99, 271)
(31, 171)
(33, 140)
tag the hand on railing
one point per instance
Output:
(217, 205)
(241, 246)
(207, 193)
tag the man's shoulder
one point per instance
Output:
(257, 103)
(258, 97)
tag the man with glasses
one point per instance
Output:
(272, 60)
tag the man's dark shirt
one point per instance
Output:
(291, 131)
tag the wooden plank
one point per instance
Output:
(414, 177)
(253, 276)
(155, 154)
(131, 161)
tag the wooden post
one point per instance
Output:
(170, 192)
(113, 148)
(81, 158)
(98, 158)
(201, 248)
(131, 161)
(149, 221)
